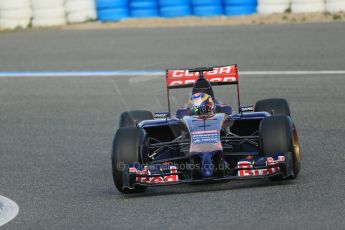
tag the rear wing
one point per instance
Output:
(225, 75)
(185, 78)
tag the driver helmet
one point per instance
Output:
(202, 104)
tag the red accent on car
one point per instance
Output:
(179, 78)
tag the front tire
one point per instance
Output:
(278, 135)
(126, 150)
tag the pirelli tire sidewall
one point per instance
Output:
(276, 134)
(126, 149)
(279, 135)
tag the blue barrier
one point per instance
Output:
(240, 2)
(239, 7)
(112, 14)
(143, 4)
(144, 13)
(207, 11)
(175, 11)
(239, 10)
(174, 8)
(207, 8)
(106, 4)
(167, 3)
(112, 10)
(144, 8)
(206, 2)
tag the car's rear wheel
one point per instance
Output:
(274, 106)
(126, 150)
(278, 135)
(132, 118)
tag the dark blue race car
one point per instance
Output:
(206, 141)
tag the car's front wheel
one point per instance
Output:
(126, 150)
(279, 135)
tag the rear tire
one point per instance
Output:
(126, 150)
(274, 106)
(278, 135)
(132, 118)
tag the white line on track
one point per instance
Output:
(101, 73)
(8, 210)
(320, 72)
(137, 73)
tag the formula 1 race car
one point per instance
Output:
(205, 143)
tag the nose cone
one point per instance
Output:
(207, 165)
(207, 172)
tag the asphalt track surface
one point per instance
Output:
(56, 133)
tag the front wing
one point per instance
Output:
(280, 164)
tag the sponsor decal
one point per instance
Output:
(205, 137)
(271, 162)
(192, 81)
(281, 158)
(244, 109)
(205, 141)
(156, 179)
(205, 133)
(227, 74)
(245, 168)
(161, 115)
(216, 72)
